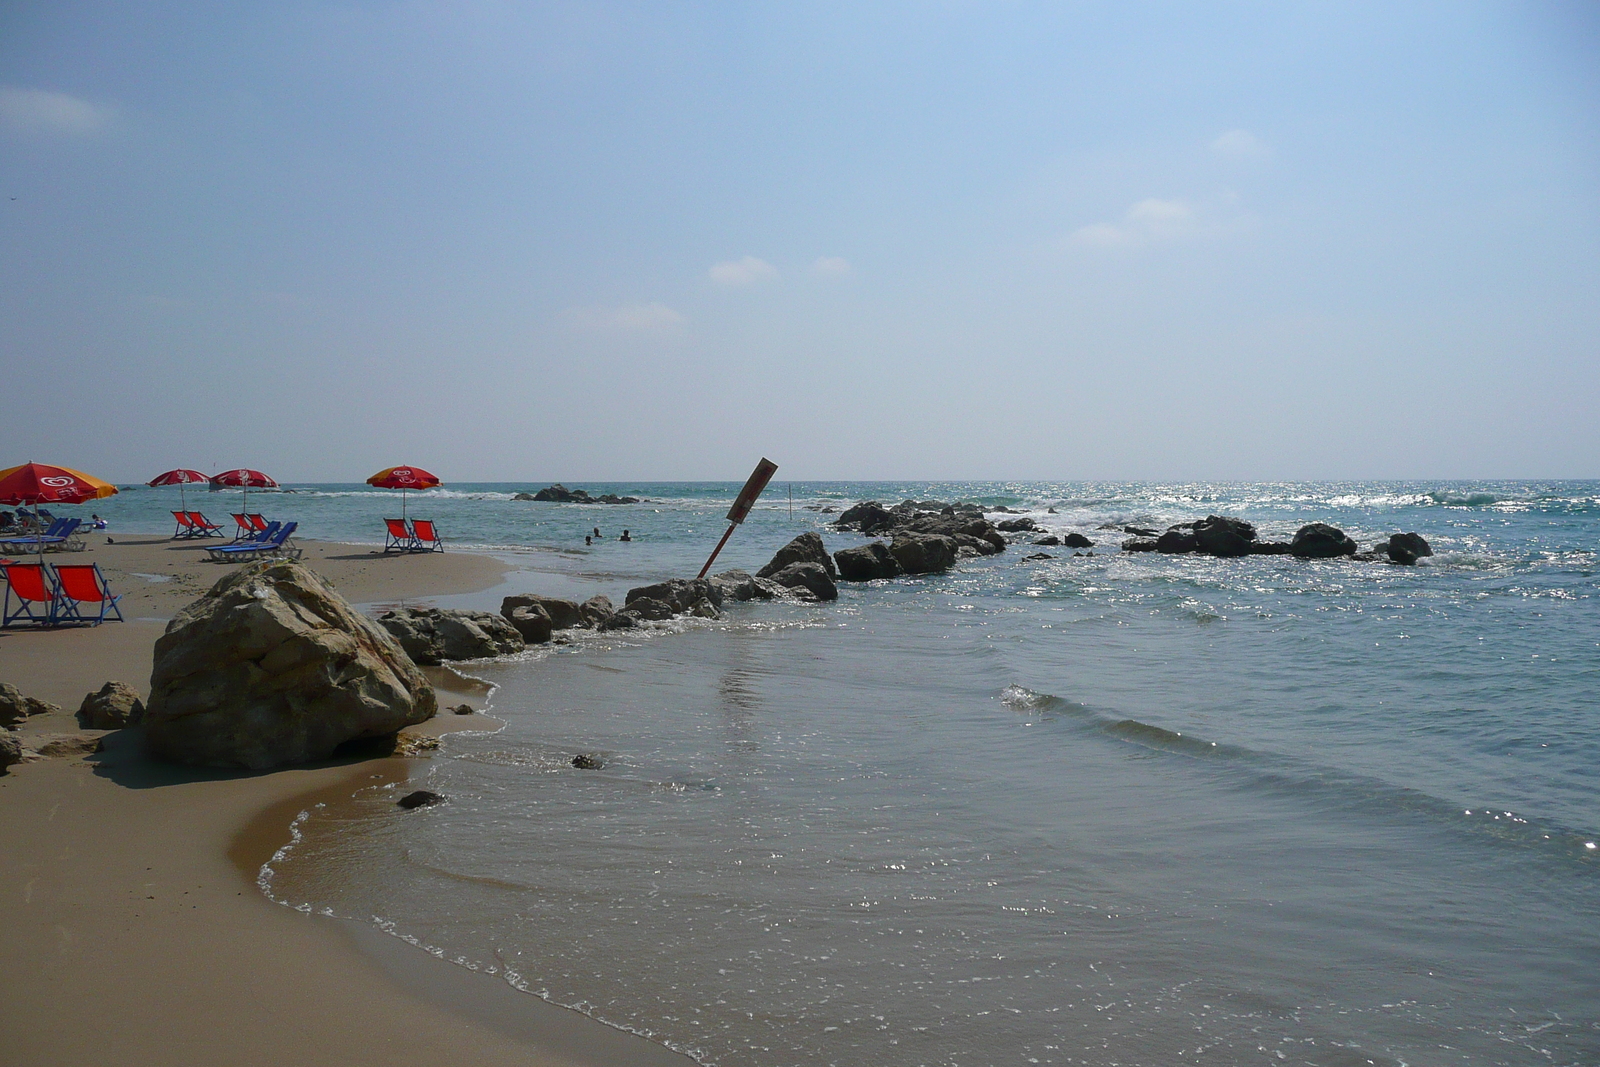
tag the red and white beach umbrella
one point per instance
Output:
(243, 478)
(180, 478)
(404, 479)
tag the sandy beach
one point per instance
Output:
(135, 931)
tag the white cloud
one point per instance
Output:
(1144, 223)
(1240, 144)
(39, 111)
(742, 272)
(831, 266)
(654, 319)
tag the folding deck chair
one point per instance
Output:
(29, 584)
(203, 527)
(398, 536)
(249, 526)
(78, 584)
(424, 537)
(185, 525)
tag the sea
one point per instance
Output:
(1102, 808)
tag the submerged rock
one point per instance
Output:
(919, 553)
(1218, 535)
(1076, 540)
(531, 621)
(807, 548)
(1318, 540)
(1177, 540)
(679, 594)
(433, 635)
(646, 608)
(595, 611)
(1139, 544)
(564, 614)
(115, 706)
(1406, 548)
(867, 562)
(585, 761)
(810, 577)
(419, 799)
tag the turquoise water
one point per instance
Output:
(1110, 809)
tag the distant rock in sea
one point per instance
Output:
(560, 494)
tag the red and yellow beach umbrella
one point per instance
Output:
(41, 483)
(404, 479)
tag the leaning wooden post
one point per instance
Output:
(742, 504)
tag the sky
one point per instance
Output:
(613, 241)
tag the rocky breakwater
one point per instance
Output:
(925, 537)
(1227, 537)
(538, 617)
(560, 494)
(804, 563)
(272, 667)
(431, 636)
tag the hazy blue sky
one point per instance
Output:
(594, 240)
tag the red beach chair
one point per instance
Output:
(246, 528)
(258, 521)
(398, 537)
(203, 527)
(78, 584)
(425, 536)
(185, 524)
(30, 584)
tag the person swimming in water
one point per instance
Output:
(625, 536)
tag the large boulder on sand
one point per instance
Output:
(10, 750)
(433, 635)
(564, 614)
(866, 562)
(1318, 540)
(924, 553)
(272, 667)
(115, 706)
(15, 708)
(807, 548)
(808, 576)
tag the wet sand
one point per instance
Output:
(135, 932)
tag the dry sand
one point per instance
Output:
(134, 931)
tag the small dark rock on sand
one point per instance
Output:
(462, 709)
(421, 798)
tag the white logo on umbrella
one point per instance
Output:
(56, 481)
